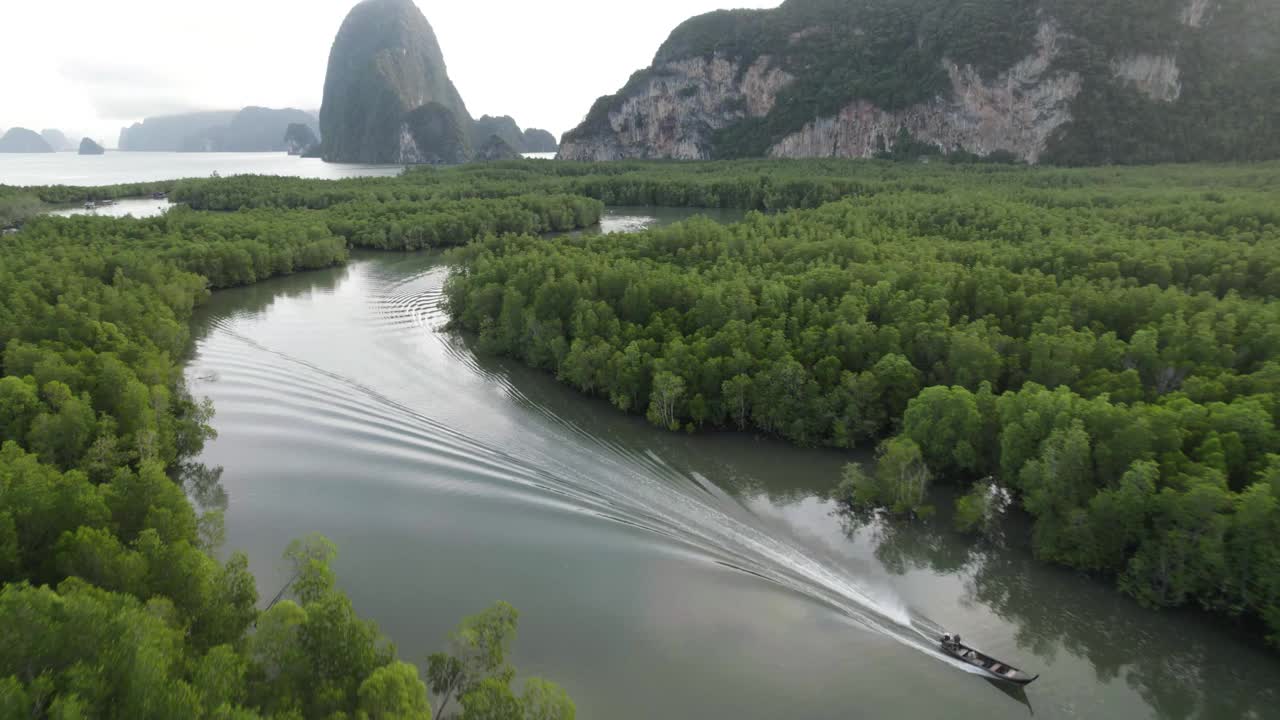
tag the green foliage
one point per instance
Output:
(543, 700)
(980, 509)
(117, 605)
(899, 483)
(1102, 344)
(476, 672)
(897, 54)
(394, 692)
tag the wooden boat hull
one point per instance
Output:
(990, 667)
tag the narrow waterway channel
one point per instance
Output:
(657, 574)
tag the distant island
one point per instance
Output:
(89, 147)
(22, 140)
(506, 128)
(300, 139)
(252, 129)
(57, 140)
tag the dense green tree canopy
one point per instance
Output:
(1104, 343)
(112, 594)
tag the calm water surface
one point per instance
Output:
(657, 575)
(127, 167)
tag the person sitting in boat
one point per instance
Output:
(951, 642)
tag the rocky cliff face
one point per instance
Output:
(1016, 112)
(1033, 79)
(674, 109)
(384, 65)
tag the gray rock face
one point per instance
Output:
(89, 147)
(384, 65)
(433, 134)
(1156, 76)
(1016, 112)
(677, 108)
(1070, 83)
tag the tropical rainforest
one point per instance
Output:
(1098, 349)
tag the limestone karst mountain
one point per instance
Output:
(384, 65)
(388, 97)
(1065, 81)
(22, 140)
(89, 147)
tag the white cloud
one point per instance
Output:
(103, 64)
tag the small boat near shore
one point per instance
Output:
(990, 666)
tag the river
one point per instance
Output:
(657, 574)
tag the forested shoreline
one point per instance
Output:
(113, 599)
(1102, 346)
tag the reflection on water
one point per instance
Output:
(658, 574)
(135, 207)
(1182, 664)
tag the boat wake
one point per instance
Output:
(527, 460)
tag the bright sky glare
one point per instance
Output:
(90, 67)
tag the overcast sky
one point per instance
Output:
(93, 66)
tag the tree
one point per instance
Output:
(900, 482)
(477, 652)
(946, 425)
(543, 700)
(668, 388)
(981, 508)
(737, 398)
(904, 477)
(491, 699)
(394, 692)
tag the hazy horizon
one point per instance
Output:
(91, 68)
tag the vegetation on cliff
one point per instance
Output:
(300, 139)
(896, 55)
(385, 64)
